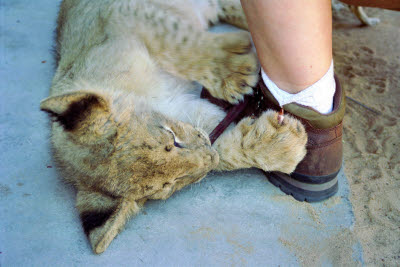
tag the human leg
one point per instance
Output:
(293, 42)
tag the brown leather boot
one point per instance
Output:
(315, 177)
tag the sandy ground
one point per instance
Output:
(367, 62)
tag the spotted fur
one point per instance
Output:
(127, 123)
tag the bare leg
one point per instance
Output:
(293, 39)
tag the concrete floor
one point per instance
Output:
(235, 218)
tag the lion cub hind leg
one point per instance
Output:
(103, 216)
(224, 63)
(231, 12)
(263, 143)
(232, 67)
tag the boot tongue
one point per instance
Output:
(316, 119)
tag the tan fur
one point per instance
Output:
(127, 126)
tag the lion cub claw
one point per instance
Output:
(264, 143)
(279, 147)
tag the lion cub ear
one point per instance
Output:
(104, 216)
(72, 108)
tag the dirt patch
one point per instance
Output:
(367, 61)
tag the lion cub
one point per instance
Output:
(127, 123)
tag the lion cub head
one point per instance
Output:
(114, 152)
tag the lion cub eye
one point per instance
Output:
(176, 143)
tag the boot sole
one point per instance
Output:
(305, 188)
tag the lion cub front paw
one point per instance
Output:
(233, 67)
(271, 145)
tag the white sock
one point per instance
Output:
(318, 96)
